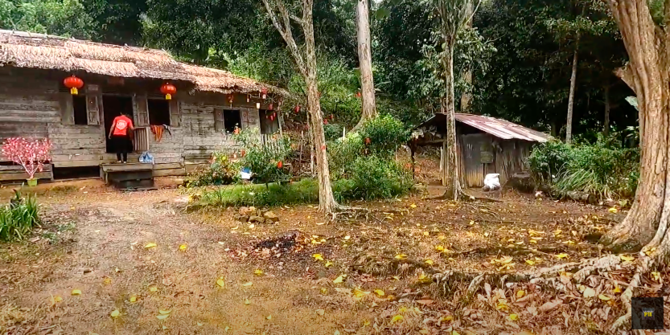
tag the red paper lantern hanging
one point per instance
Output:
(280, 164)
(271, 107)
(231, 98)
(358, 94)
(367, 140)
(325, 121)
(264, 93)
(169, 90)
(297, 109)
(74, 84)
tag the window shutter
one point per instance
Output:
(93, 109)
(141, 111)
(66, 109)
(219, 124)
(175, 113)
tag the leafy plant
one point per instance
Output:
(373, 177)
(18, 218)
(384, 135)
(264, 157)
(221, 171)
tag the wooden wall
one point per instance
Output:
(33, 103)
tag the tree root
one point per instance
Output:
(352, 212)
(515, 251)
(627, 295)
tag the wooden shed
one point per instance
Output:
(485, 145)
(34, 102)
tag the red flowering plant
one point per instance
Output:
(31, 154)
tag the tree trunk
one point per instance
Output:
(369, 108)
(327, 202)
(466, 97)
(606, 123)
(571, 98)
(646, 224)
(448, 108)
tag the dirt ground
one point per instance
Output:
(144, 265)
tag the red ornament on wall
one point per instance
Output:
(74, 84)
(169, 90)
(264, 93)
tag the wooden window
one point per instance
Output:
(232, 120)
(79, 106)
(159, 112)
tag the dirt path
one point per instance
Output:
(107, 261)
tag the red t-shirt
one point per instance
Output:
(121, 125)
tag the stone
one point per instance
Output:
(246, 211)
(256, 219)
(241, 218)
(271, 217)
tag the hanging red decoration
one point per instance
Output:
(74, 84)
(248, 97)
(264, 93)
(280, 164)
(367, 140)
(297, 109)
(271, 107)
(332, 117)
(358, 94)
(231, 98)
(169, 90)
(325, 121)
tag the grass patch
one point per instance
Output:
(305, 191)
(18, 218)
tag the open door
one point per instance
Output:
(113, 106)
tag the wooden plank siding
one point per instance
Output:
(34, 103)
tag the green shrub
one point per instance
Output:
(221, 171)
(386, 135)
(333, 131)
(265, 159)
(304, 191)
(373, 177)
(601, 169)
(18, 218)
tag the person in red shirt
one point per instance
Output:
(119, 133)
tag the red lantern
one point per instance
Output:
(280, 165)
(297, 109)
(271, 107)
(367, 140)
(358, 94)
(74, 84)
(325, 121)
(243, 153)
(264, 93)
(231, 98)
(168, 89)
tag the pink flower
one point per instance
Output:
(31, 154)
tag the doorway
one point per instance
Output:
(113, 106)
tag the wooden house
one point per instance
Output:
(485, 145)
(34, 102)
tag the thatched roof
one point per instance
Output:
(39, 51)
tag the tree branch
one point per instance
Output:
(285, 31)
(627, 76)
(297, 19)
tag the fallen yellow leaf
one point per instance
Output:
(530, 262)
(162, 316)
(269, 317)
(613, 210)
(328, 263)
(247, 302)
(247, 284)
(317, 257)
(447, 318)
(324, 290)
(115, 313)
(656, 275)
(412, 205)
(76, 292)
(153, 288)
(604, 297)
(163, 311)
(358, 293)
(220, 282)
(562, 256)
(429, 262)
(520, 293)
(627, 258)
(617, 289)
(132, 298)
(258, 272)
(513, 317)
(150, 245)
(183, 247)
(107, 281)
(379, 293)
(397, 318)
(339, 279)
(401, 256)
(55, 299)
(439, 248)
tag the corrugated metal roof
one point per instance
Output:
(497, 127)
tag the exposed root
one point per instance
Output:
(383, 265)
(466, 196)
(351, 212)
(514, 251)
(627, 295)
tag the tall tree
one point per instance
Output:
(453, 16)
(648, 74)
(369, 108)
(466, 96)
(305, 60)
(571, 97)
